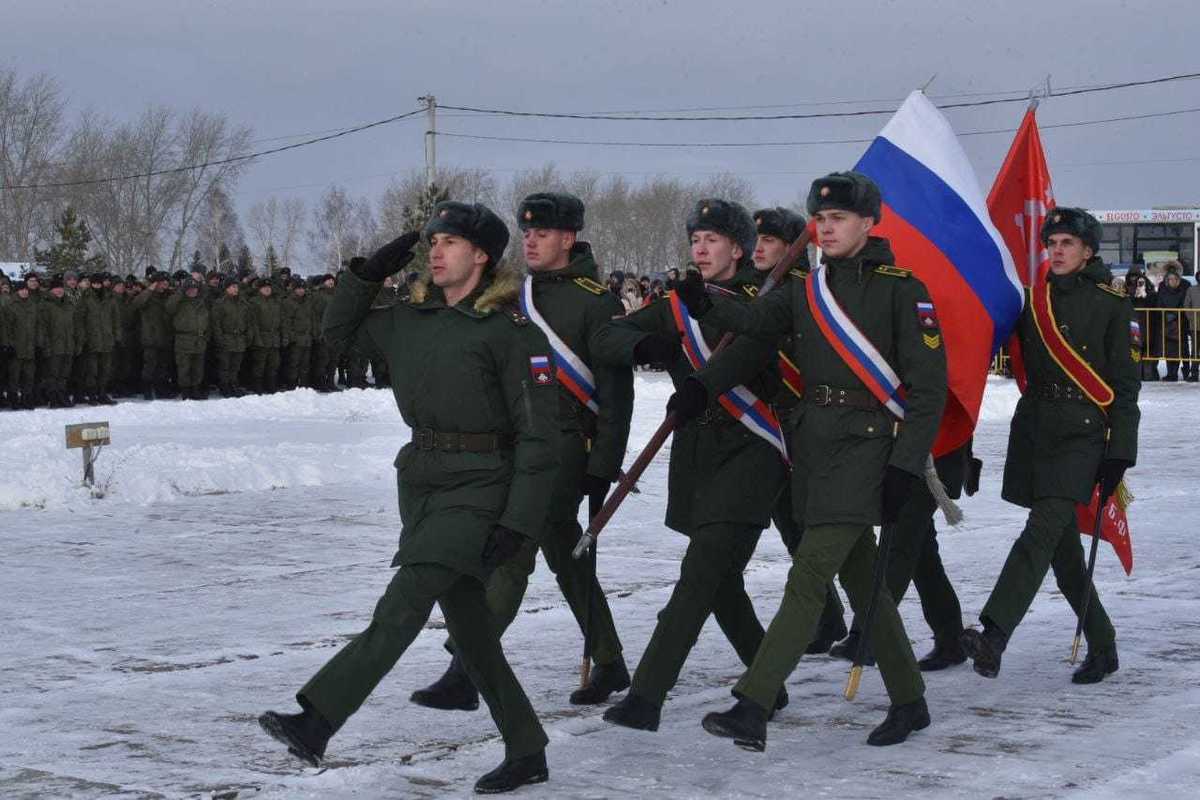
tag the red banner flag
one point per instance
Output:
(1114, 526)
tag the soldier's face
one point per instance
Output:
(71, 282)
(454, 261)
(23, 294)
(1067, 253)
(842, 234)
(715, 255)
(768, 251)
(192, 291)
(232, 290)
(118, 288)
(547, 249)
(33, 285)
(58, 291)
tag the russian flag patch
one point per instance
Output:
(927, 316)
(540, 369)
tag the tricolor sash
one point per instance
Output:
(740, 402)
(572, 373)
(852, 344)
(1077, 369)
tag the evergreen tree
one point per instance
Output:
(224, 259)
(272, 260)
(245, 261)
(197, 265)
(70, 251)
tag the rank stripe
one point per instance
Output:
(570, 370)
(792, 378)
(740, 402)
(852, 345)
(1076, 368)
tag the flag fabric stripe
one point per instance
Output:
(572, 373)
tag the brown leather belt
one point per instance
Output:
(1060, 391)
(455, 442)
(823, 395)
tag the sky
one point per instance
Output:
(288, 68)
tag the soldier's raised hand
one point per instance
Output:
(694, 294)
(387, 260)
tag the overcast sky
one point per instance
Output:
(288, 68)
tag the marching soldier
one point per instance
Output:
(266, 339)
(857, 323)
(230, 331)
(563, 298)
(777, 229)
(475, 384)
(1075, 427)
(725, 471)
(188, 313)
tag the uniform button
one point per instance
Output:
(1087, 421)
(870, 429)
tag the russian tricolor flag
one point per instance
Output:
(935, 215)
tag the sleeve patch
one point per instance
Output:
(932, 340)
(541, 370)
(927, 316)
(750, 289)
(1135, 333)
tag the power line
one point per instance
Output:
(815, 115)
(220, 162)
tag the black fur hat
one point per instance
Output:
(782, 223)
(846, 191)
(552, 210)
(1076, 222)
(728, 219)
(56, 281)
(475, 222)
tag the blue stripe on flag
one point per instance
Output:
(862, 357)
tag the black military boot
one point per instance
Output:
(1099, 664)
(451, 692)
(985, 648)
(848, 648)
(827, 634)
(514, 773)
(899, 723)
(945, 653)
(781, 702)
(634, 711)
(605, 680)
(106, 399)
(305, 734)
(745, 723)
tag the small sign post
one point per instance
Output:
(90, 437)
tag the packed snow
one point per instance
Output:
(229, 547)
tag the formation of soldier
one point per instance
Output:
(819, 417)
(69, 339)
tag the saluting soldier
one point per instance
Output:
(20, 320)
(857, 325)
(266, 339)
(100, 330)
(188, 312)
(725, 471)
(473, 379)
(777, 228)
(323, 357)
(230, 333)
(154, 333)
(561, 295)
(1075, 427)
(58, 338)
(297, 321)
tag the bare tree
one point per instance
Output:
(294, 214)
(342, 227)
(31, 131)
(264, 221)
(218, 230)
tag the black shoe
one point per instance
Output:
(781, 702)
(944, 654)
(848, 648)
(745, 723)
(305, 734)
(825, 638)
(899, 723)
(984, 649)
(1098, 665)
(451, 692)
(605, 680)
(514, 773)
(633, 711)
(106, 400)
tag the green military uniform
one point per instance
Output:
(841, 449)
(576, 307)
(100, 331)
(297, 322)
(266, 325)
(231, 333)
(58, 339)
(126, 357)
(464, 377)
(722, 484)
(19, 319)
(1056, 444)
(323, 359)
(154, 333)
(190, 324)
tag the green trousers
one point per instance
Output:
(229, 364)
(915, 559)
(710, 583)
(190, 368)
(264, 368)
(345, 682)
(296, 368)
(155, 363)
(1050, 540)
(790, 532)
(97, 372)
(21, 374)
(847, 551)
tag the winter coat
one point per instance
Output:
(266, 323)
(1173, 324)
(297, 320)
(230, 319)
(100, 323)
(189, 322)
(57, 334)
(154, 328)
(19, 320)
(478, 366)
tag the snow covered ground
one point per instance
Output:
(238, 543)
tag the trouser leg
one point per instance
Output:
(825, 550)
(465, 608)
(714, 553)
(790, 531)
(939, 601)
(1070, 572)
(909, 534)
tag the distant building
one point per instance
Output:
(15, 269)
(1150, 236)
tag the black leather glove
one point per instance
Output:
(501, 545)
(689, 402)
(974, 472)
(596, 487)
(897, 487)
(387, 260)
(694, 295)
(1109, 476)
(658, 348)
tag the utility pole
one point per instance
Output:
(430, 139)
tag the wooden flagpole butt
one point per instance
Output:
(1075, 649)
(585, 672)
(852, 681)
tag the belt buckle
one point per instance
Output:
(423, 438)
(1056, 391)
(822, 395)
(451, 442)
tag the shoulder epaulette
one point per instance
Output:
(1104, 287)
(798, 273)
(517, 316)
(750, 289)
(895, 272)
(591, 285)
